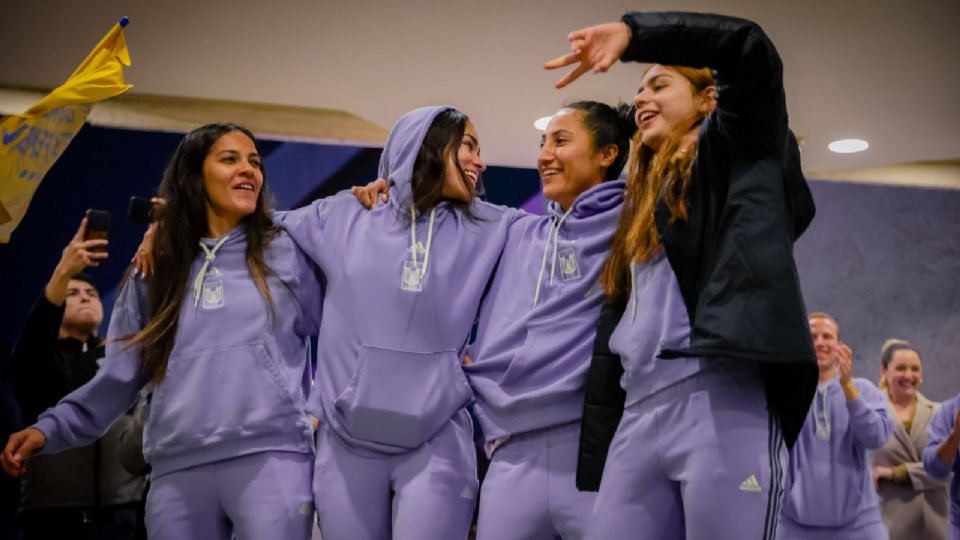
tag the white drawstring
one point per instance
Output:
(413, 239)
(821, 413)
(211, 254)
(555, 235)
(633, 290)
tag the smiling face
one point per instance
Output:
(232, 179)
(904, 374)
(569, 162)
(668, 103)
(459, 186)
(825, 338)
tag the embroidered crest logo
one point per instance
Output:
(212, 292)
(569, 269)
(411, 278)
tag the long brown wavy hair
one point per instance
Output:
(181, 223)
(652, 176)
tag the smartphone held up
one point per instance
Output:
(98, 227)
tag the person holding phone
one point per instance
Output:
(829, 490)
(82, 492)
(219, 332)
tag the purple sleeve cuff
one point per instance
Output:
(933, 465)
(48, 426)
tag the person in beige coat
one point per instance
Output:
(914, 505)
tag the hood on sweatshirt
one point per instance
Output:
(593, 201)
(400, 153)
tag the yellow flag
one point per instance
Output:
(31, 142)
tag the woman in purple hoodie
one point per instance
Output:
(403, 283)
(218, 332)
(536, 330)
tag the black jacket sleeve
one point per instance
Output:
(36, 386)
(603, 403)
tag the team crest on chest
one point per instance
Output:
(569, 266)
(411, 279)
(212, 292)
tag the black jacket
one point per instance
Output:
(749, 201)
(47, 369)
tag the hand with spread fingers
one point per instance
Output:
(20, 447)
(594, 49)
(367, 195)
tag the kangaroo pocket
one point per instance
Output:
(549, 352)
(219, 395)
(401, 398)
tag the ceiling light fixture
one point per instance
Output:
(848, 146)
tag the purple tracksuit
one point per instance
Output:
(829, 491)
(939, 429)
(401, 298)
(696, 454)
(530, 360)
(228, 437)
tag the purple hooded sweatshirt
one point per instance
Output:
(538, 322)
(939, 429)
(401, 298)
(828, 482)
(235, 378)
(655, 319)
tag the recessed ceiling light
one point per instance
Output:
(541, 123)
(848, 146)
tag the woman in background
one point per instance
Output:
(914, 505)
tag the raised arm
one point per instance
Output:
(34, 353)
(750, 107)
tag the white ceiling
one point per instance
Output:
(880, 70)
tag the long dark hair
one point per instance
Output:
(181, 223)
(609, 125)
(429, 170)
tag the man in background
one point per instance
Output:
(82, 492)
